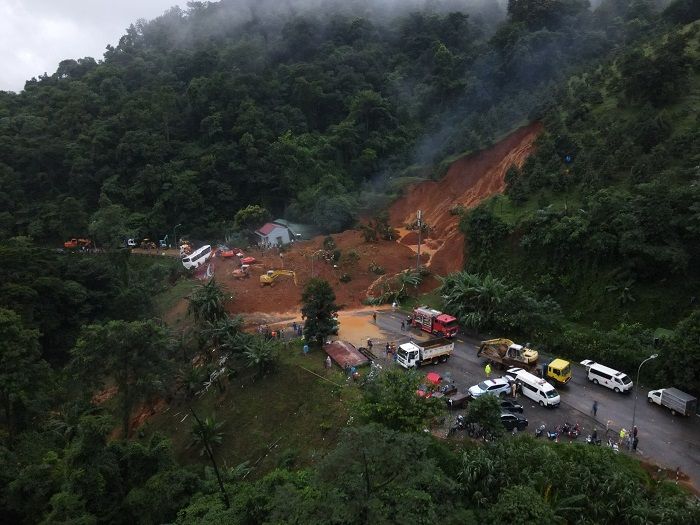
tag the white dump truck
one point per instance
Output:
(414, 354)
(676, 401)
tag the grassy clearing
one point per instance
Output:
(167, 300)
(292, 417)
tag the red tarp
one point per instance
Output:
(344, 353)
(433, 377)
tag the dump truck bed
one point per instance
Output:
(434, 343)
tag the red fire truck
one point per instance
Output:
(434, 322)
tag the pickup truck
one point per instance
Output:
(676, 401)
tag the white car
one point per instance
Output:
(496, 387)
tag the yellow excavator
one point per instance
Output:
(272, 275)
(505, 352)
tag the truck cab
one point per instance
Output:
(408, 355)
(654, 396)
(434, 322)
(559, 370)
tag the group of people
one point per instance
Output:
(629, 439)
(297, 330)
(626, 438)
(389, 348)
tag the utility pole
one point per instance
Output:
(175, 234)
(420, 232)
(636, 394)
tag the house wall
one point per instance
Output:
(272, 237)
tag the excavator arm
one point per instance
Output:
(269, 278)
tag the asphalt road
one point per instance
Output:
(666, 440)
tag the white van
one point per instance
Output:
(197, 258)
(537, 389)
(602, 375)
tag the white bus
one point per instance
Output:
(197, 258)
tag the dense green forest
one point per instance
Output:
(198, 114)
(317, 116)
(597, 237)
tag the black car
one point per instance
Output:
(511, 421)
(511, 406)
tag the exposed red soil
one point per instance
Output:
(410, 238)
(104, 395)
(145, 412)
(285, 296)
(469, 180)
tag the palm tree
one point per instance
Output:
(191, 379)
(66, 422)
(207, 303)
(208, 433)
(564, 509)
(261, 354)
(409, 278)
(490, 294)
(625, 291)
(225, 332)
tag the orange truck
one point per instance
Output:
(72, 244)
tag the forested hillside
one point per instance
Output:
(317, 115)
(602, 224)
(115, 410)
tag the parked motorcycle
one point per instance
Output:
(459, 424)
(613, 445)
(574, 432)
(552, 435)
(593, 440)
(539, 430)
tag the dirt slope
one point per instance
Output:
(468, 181)
(250, 297)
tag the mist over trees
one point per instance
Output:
(202, 112)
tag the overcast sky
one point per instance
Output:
(35, 35)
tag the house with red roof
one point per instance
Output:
(273, 234)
